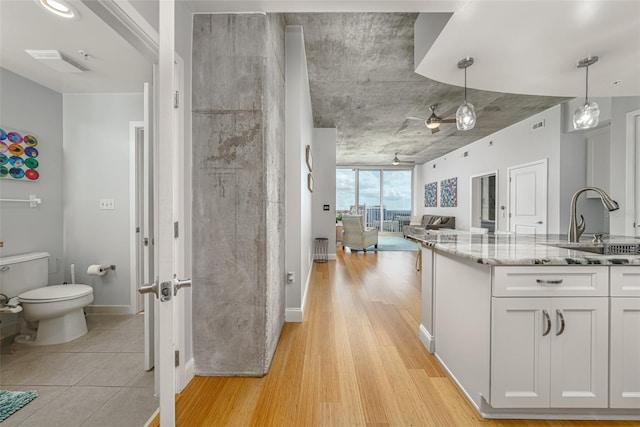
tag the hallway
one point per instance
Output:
(355, 360)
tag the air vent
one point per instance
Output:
(537, 125)
(55, 60)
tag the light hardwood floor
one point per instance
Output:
(355, 360)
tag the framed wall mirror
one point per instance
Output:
(484, 201)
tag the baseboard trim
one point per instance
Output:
(108, 309)
(296, 314)
(332, 257)
(189, 371)
(427, 340)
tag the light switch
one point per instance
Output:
(107, 204)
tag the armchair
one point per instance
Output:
(355, 235)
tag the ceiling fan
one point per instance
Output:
(433, 122)
(396, 161)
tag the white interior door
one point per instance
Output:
(528, 198)
(167, 208)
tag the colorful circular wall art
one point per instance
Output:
(18, 156)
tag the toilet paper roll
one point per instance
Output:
(97, 270)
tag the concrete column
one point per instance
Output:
(238, 200)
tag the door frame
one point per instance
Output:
(136, 300)
(495, 172)
(632, 214)
(544, 161)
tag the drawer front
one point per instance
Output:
(564, 281)
(625, 281)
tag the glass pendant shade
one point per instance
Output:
(466, 116)
(586, 116)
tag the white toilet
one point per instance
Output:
(58, 309)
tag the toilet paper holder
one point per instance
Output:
(99, 269)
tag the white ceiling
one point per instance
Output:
(526, 47)
(113, 65)
(532, 47)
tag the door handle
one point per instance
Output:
(561, 317)
(545, 313)
(179, 284)
(548, 282)
(149, 289)
(539, 222)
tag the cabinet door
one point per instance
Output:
(625, 353)
(579, 352)
(520, 340)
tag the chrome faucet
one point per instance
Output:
(576, 229)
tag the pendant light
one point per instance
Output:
(466, 114)
(586, 116)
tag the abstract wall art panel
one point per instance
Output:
(18, 156)
(431, 195)
(449, 193)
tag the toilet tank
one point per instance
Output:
(21, 273)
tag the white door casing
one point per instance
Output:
(149, 230)
(528, 198)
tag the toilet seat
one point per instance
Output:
(55, 293)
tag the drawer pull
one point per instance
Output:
(561, 317)
(548, 282)
(545, 313)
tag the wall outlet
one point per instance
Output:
(107, 204)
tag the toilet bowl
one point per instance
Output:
(58, 309)
(55, 313)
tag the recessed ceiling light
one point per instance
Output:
(59, 8)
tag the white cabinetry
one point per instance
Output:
(549, 351)
(625, 337)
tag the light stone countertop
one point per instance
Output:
(513, 249)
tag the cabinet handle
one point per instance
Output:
(561, 317)
(548, 282)
(545, 313)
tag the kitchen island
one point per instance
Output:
(528, 329)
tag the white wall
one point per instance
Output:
(512, 146)
(621, 162)
(298, 199)
(96, 166)
(33, 109)
(324, 191)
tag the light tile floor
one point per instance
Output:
(97, 380)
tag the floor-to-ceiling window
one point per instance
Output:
(383, 196)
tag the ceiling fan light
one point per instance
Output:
(586, 116)
(432, 124)
(466, 116)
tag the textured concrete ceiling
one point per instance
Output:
(362, 82)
